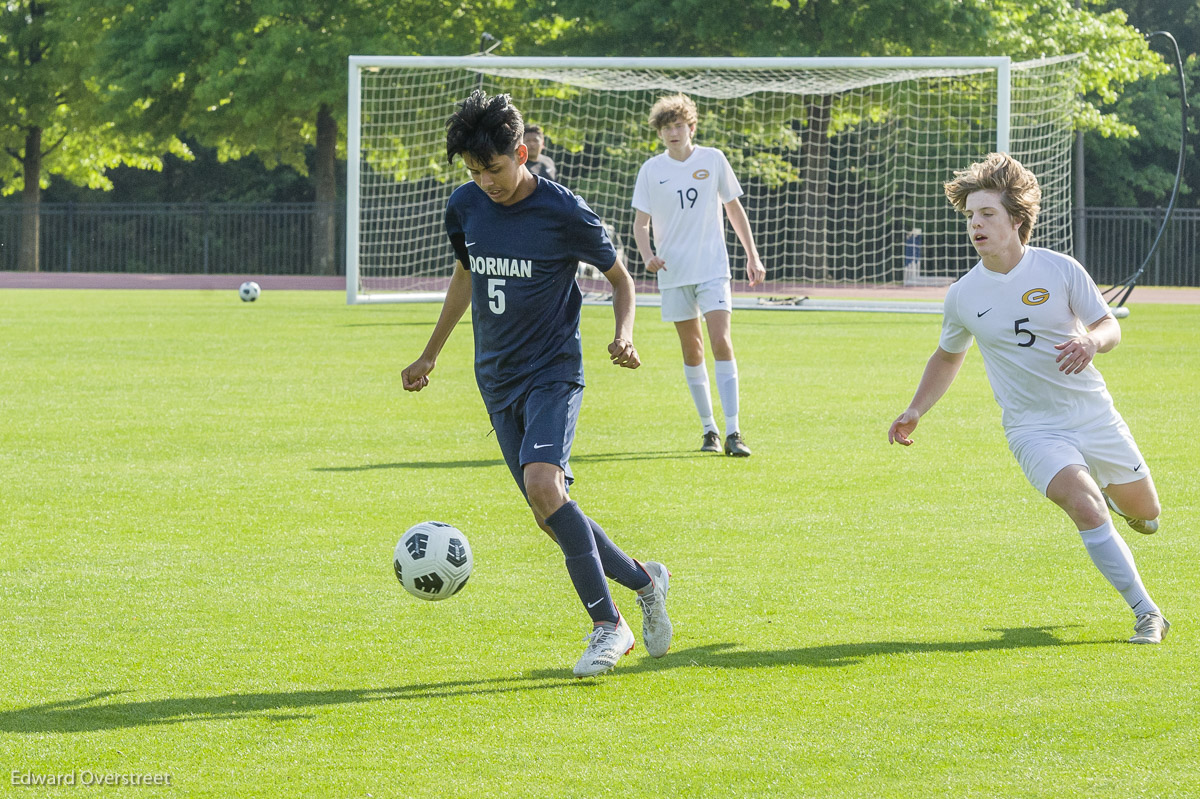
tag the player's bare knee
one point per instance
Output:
(723, 349)
(1087, 511)
(545, 495)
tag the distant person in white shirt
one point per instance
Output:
(539, 163)
(1040, 320)
(682, 193)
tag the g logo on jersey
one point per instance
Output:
(1035, 296)
(701, 174)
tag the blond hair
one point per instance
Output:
(1019, 191)
(673, 108)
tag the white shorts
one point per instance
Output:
(682, 303)
(1106, 448)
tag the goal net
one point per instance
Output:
(842, 160)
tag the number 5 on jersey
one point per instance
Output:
(495, 296)
(1022, 331)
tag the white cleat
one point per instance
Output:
(605, 647)
(1143, 526)
(1150, 628)
(656, 625)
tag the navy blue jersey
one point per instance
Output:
(524, 299)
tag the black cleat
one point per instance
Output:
(735, 446)
(711, 442)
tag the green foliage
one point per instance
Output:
(1115, 54)
(199, 517)
(764, 27)
(250, 77)
(46, 68)
(1141, 170)
(120, 80)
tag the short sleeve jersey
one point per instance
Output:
(543, 167)
(685, 201)
(1017, 318)
(524, 299)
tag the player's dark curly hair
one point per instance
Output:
(484, 127)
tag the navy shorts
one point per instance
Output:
(539, 428)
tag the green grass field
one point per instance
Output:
(200, 498)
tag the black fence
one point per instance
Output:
(1116, 242)
(278, 239)
(179, 238)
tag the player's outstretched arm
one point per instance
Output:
(939, 373)
(622, 352)
(755, 271)
(415, 376)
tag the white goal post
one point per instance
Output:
(842, 159)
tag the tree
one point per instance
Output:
(268, 77)
(51, 117)
(763, 27)
(1115, 54)
(1140, 170)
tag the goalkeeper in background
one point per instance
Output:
(1040, 320)
(682, 192)
(518, 239)
(538, 162)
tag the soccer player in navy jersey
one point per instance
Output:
(518, 239)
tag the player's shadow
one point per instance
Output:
(93, 713)
(726, 656)
(599, 457)
(366, 467)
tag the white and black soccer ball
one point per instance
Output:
(433, 560)
(249, 291)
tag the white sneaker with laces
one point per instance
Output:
(605, 647)
(656, 625)
(1149, 629)
(1143, 526)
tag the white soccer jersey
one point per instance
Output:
(685, 202)
(1017, 319)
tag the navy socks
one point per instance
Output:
(574, 533)
(617, 565)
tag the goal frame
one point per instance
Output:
(1002, 65)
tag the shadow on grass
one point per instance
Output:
(594, 458)
(91, 713)
(725, 656)
(366, 467)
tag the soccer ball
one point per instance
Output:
(433, 560)
(249, 291)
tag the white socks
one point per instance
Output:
(727, 388)
(1112, 557)
(697, 380)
